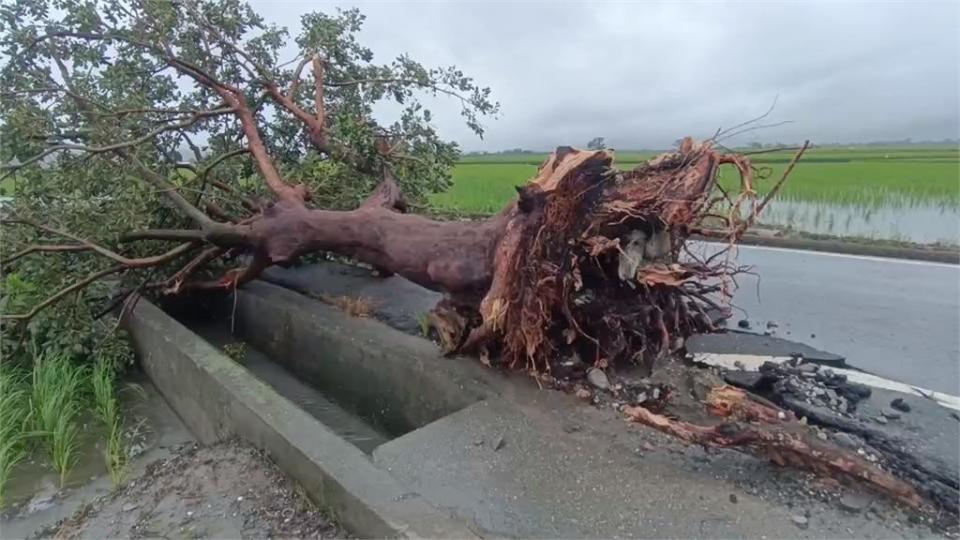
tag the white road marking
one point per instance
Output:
(752, 362)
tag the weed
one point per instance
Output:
(237, 351)
(359, 306)
(425, 325)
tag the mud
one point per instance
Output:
(227, 490)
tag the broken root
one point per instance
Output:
(777, 435)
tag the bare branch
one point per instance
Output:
(721, 133)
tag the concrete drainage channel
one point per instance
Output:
(395, 440)
(218, 398)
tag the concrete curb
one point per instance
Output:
(218, 399)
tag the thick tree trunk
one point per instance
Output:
(454, 257)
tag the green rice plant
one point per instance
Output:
(103, 380)
(64, 441)
(107, 409)
(117, 453)
(56, 395)
(14, 414)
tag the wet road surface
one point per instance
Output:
(896, 318)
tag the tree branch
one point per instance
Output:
(399, 80)
(116, 257)
(386, 195)
(318, 90)
(232, 278)
(295, 82)
(63, 292)
(196, 117)
(35, 248)
(173, 283)
(169, 191)
(163, 234)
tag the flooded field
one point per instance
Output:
(33, 497)
(917, 222)
(909, 194)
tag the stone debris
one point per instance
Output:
(854, 502)
(900, 405)
(598, 379)
(890, 413)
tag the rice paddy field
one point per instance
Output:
(908, 193)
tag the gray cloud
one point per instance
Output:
(645, 74)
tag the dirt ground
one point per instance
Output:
(228, 490)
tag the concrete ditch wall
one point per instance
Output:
(218, 399)
(402, 383)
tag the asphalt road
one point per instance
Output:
(897, 318)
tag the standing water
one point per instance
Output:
(906, 221)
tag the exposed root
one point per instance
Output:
(593, 261)
(770, 432)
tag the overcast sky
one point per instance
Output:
(645, 74)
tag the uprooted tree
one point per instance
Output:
(286, 160)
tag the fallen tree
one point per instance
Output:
(588, 260)
(581, 236)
